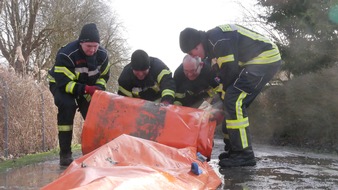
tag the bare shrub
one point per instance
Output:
(31, 116)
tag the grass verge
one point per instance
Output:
(33, 158)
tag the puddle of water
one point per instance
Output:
(277, 168)
(32, 176)
(280, 168)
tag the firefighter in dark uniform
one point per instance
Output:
(195, 82)
(81, 68)
(147, 78)
(246, 62)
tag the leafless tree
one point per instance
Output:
(32, 31)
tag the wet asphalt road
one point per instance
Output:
(281, 168)
(277, 168)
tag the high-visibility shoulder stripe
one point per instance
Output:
(65, 71)
(253, 35)
(106, 70)
(163, 72)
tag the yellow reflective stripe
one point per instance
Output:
(50, 78)
(65, 71)
(244, 138)
(226, 27)
(70, 87)
(240, 125)
(101, 81)
(224, 59)
(65, 127)
(126, 92)
(169, 92)
(269, 56)
(179, 95)
(106, 70)
(135, 94)
(77, 75)
(178, 103)
(156, 87)
(212, 91)
(238, 106)
(160, 76)
(87, 97)
(219, 89)
(253, 35)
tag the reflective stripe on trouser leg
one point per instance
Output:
(65, 139)
(239, 132)
(237, 123)
(65, 127)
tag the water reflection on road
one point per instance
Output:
(277, 168)
(281, 168)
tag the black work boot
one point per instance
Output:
(66, 159)
(65, 139)
(227, 149)
(239, 158)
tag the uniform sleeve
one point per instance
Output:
(166, 82)
(65, 77)
(105, 74)
(124, 82)
(179, 93)
(226, 52)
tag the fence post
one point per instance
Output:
(5, 106)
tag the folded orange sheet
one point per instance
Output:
(129, 163)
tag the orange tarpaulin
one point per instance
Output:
(111, 115)
(129, 162)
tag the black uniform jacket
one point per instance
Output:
(189, 92)
(235, 46)
(157, 84)
(73, 69)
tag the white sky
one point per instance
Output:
(155, 25)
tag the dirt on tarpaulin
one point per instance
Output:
(277, 168)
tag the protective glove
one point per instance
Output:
(91, 89)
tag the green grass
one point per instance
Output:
(33, 158)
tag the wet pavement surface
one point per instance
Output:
(277, 168)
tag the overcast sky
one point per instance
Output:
(155, 25)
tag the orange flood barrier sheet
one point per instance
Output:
(110, 115)
(129, 163)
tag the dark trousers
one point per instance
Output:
(67, 105)
(239, 96)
